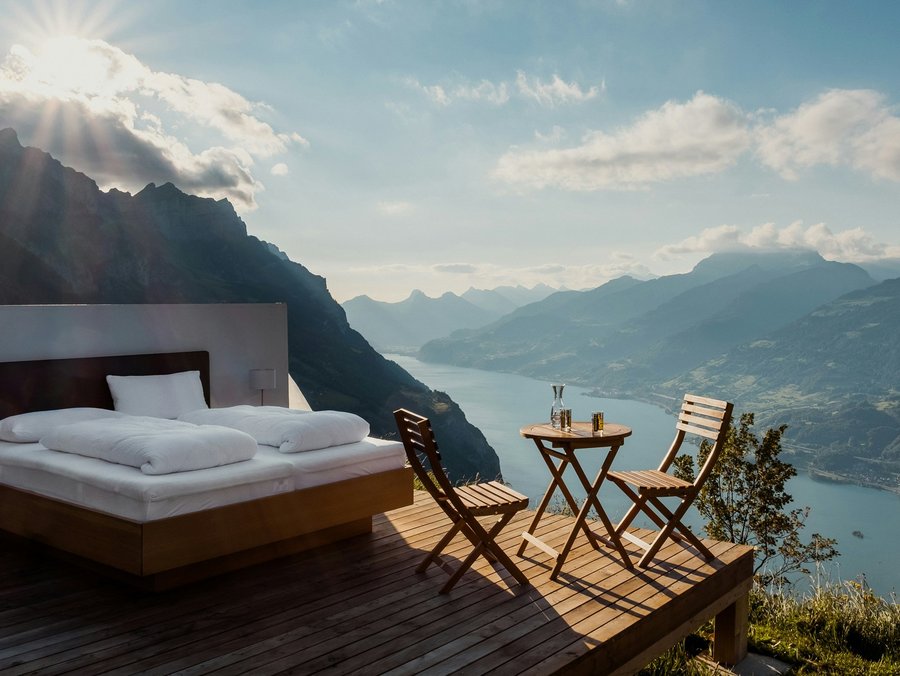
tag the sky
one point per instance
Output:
(392, 145)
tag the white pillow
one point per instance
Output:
(27, 428)
(165, 396)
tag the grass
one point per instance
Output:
(836, 628)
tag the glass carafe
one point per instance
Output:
(558, 406)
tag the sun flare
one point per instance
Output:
(67, 66)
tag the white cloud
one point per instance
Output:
(719, 238)
(555, 135)
(555, 92)
(704, 135)
(446, 94)
(455, 268)
(708, 134)
(495, 94)
(101, 110)
(852, 127)
(552, 93)
(394, 207)
(851, 245)
(280, 169)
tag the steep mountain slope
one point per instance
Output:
(833, 375)
(63, 240)
(711, 319)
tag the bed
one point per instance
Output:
(161, 534)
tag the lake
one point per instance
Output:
(500, 404)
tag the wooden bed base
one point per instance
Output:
(168, 552)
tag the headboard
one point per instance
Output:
(63, 383)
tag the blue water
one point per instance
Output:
(500, 404)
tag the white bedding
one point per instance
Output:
(288, 430)
(128, 493)
(348, 461)
(154, 445)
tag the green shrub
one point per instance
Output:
(836, 628)
(840, 628)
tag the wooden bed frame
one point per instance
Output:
(168, 552)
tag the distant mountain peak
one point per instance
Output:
(8, 137)
(724, 263)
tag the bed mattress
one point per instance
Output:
(128, 493)
(329, 465)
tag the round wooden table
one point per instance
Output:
(554, 444)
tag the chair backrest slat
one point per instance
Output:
(713, 403)
(708, 418)
(700, 431)
(705, 417)
(704, 410)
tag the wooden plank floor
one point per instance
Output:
(357, 607)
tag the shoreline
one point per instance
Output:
(835, 477)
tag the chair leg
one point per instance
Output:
(484, 545)
(666, 532)
(462, 568)
(682, 532)
(639, 505)
(434, 554)
(501, 556)
(655, 545)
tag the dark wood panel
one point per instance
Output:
(47, 384)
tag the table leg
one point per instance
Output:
(581, 520)
(556, 482)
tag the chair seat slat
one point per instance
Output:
(650, 479)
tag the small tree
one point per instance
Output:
(744, 501)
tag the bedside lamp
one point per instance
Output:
(262, 380)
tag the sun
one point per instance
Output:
(45, 20)
(62, 49)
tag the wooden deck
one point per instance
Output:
(357, 607)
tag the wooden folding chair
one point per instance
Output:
(701, 416)
(463, 504)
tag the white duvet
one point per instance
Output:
(288, 430)
(154, 445)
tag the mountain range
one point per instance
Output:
(405, 326)
(63, 240)
(797, 339)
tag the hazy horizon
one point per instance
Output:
(391, 145)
